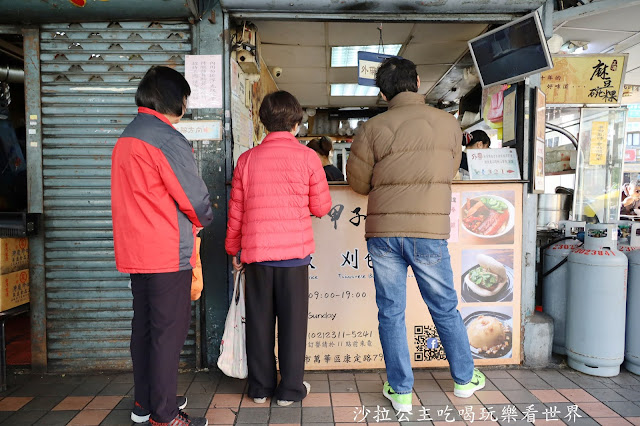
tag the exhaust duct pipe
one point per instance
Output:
(11, 75)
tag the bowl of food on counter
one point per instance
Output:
(488, 216)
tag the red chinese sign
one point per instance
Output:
(629, 155)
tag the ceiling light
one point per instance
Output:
(353, 90)
(347, 56)
(555, 43)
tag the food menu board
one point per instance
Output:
(485, 248)
(493, 164)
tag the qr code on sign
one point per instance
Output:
(427, 344)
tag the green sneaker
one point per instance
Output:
(400, 401)
(477, 382)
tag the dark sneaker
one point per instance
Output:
(182, 419)
(139, 414)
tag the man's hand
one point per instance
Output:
(237, 265)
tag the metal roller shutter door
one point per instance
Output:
(90, 73)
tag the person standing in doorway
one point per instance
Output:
(158, 204)
(478, 139)
(324, 148)
(405, 159)
(276, 188)
(631, 203)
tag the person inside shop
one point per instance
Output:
(275, 189)
(13, 167)
(408, 224)
(631, 204)
(478, 139)
(158, 204)
(324, 148)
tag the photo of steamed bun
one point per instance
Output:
(490, 331)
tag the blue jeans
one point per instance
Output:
(431, 266)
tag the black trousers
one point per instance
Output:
(283, 293)
(161, 316)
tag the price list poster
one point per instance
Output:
(485, 245)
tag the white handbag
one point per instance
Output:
(233, 348)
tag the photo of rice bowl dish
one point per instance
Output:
(488, 281)
(490, 334)
(488, 216)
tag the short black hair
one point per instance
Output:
(322, 146)
(480, 136)
(280, 111)
(163, 89)
(396, 75)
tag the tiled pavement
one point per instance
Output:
(512, 397)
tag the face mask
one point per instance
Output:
(331, 156)
(297, 131)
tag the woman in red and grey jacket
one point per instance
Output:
(158, 204)
(276, 188)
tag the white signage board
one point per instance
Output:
(493, 164)
(368, 64)
(204, 74)
(200, 130)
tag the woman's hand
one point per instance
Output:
(237, 265)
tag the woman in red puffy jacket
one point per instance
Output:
(276, 188)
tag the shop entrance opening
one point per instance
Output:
(317, 62)
(13, 196)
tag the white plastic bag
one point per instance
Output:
(233, 348)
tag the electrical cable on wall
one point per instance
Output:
(380, 41)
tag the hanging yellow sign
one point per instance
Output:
(598, 148)
(585, 79)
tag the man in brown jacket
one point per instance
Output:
(405, 160)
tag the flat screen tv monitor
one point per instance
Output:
(511, 52)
